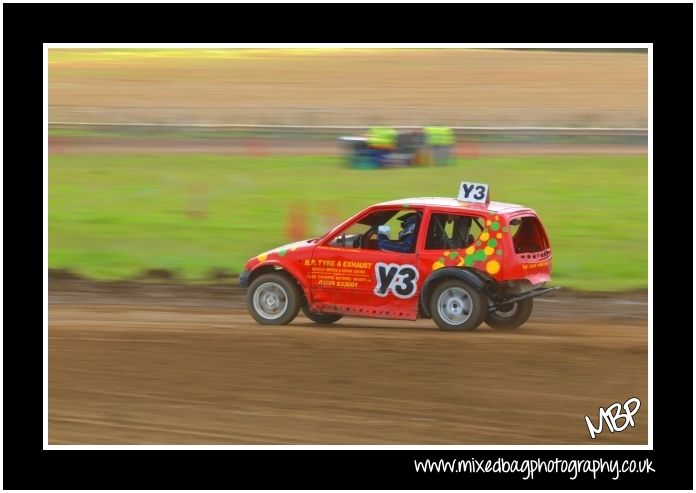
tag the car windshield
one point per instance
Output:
(377, 218)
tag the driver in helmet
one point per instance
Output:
(407, 237)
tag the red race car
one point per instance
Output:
(460, 261)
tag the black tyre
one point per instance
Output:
(511, 316)
(321, 318)
(455, 305)
(273, 299)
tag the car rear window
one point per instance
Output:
(528, 235)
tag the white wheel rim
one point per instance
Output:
(455, 306)
(270, 300)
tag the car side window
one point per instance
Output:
(363, 233)
(452, 231)
(475, 229)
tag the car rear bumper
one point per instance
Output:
(531, 294)
(244, 278)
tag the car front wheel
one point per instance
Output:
(455, 305)
(273, 299)
(321, 318)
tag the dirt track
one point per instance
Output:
(135, 363)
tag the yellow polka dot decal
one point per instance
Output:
(449, 258)
(492, 266)
(484, 236)
(488, 251)
(499, 235)
(262, 257)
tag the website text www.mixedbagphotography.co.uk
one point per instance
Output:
(529, 467)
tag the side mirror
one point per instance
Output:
(383, 229)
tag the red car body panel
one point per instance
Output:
(386, 284)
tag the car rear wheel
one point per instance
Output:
(321, 318)
(273, 299)
(455, 305)
(511, 316)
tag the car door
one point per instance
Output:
(348, 274)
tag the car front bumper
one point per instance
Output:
(244, 278)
